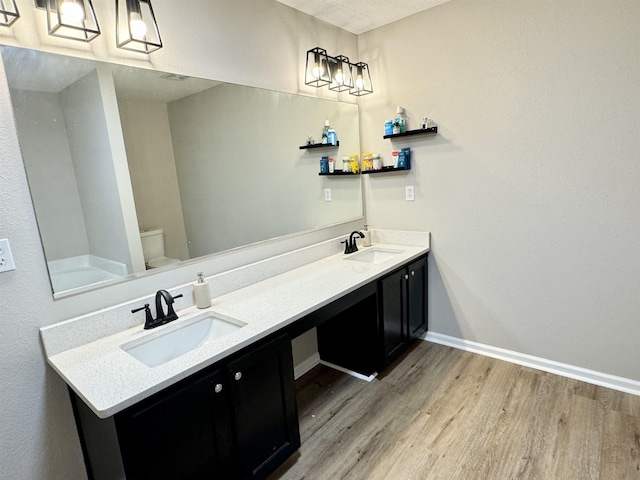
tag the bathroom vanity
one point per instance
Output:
(226, 408)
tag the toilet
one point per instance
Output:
(153, 249)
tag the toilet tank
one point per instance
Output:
(152, 243)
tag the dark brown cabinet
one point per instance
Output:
(265, 413)
(367, 329)
(235, 420)
(402, 297)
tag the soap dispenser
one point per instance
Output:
(201, 292)
(366, 242)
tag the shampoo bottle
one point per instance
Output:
(201, 292)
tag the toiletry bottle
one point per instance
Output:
(399, 121)
(345, 165)
(325, 133)
(367, 162)
(332, 137)
(377, 161)
(394, 155)
(366, 241)
(324, 165)
(354, 163)
(331, 165)
(201, 292)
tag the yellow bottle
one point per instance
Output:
(354, 163)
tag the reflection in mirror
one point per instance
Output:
(133, 169)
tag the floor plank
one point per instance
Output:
(441, 413)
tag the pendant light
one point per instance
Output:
(362, 80)
(136, 27)
(8, 12)
(73, 19)
(317, 72)
(341, 74)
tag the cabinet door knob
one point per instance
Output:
(413, 273)
(406, 277)
(218, 388)
(238, 375)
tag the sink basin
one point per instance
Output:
(373, 255)
(174, 341)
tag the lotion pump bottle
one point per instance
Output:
(366, 241)
(201, 292)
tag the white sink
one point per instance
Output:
(373, 255)
(174, 340)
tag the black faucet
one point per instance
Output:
(161, 319)
(350, 243)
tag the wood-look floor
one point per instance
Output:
(441, 413)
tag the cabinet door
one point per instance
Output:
(182, 435)
(265, 413)
(417, 298)
(393, 313)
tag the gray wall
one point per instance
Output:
(531, 186)
(147, 137)
(237, 187)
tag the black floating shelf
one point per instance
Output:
(386, 169)
(319, 145)
(408, 133)
(339, 174)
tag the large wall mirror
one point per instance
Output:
(133, 169)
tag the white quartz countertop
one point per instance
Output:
(109, 379)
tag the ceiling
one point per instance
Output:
(359, 16)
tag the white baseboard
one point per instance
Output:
(577, 373)
(350, 372)
(302, 368)
(306, 365)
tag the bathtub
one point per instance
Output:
(77, 272)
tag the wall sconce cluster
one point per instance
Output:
(338, 73)
(136, 26)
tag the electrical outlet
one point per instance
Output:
(327, 194)
(409, 193)
(6, 260)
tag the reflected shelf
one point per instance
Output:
(319, 145)
(408, 133)
(339, 174)
(385, 170)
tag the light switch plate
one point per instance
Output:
(6, 259)
(409, 193)
(327, 194)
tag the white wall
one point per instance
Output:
(145, 126)
(261, 43)
(93, 163)
(530, 188)
(45, 149)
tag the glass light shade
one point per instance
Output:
(341, 74)
(362, 80)
(8, 12)
(318, 71)
(74, 19)
(136, 26)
